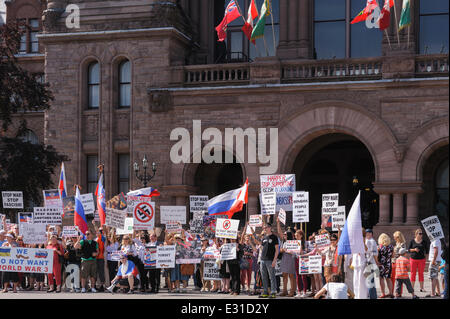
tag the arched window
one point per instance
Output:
(125, 84)
(93, 85)
(441, 186)
(433, 34)
(29, 136)
(335, 37)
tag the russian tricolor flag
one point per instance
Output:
(351, 240)
(144, 192)
(79, 218)
(101, 200)
(230, 202)
(62, 183)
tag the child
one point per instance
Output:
(442, 273)
(402, 267)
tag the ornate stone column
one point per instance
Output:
(398, 209)
(384, 209)
(412, 209)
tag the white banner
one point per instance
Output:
(283, 186)
(228, 251)
(70, 231)
(433, 227)
(268, 203)
(173, 213)
(115, 218)
(165, 256)
(128, 229)
(33, 233)
(255, 221)
(29, 260)
(227, 228)
(330, 203)
(210, 270)
(12, 200)
(47, 215)
(339, 219)
(292, 246)
(87, 200)
(300, 207)
(197, 203)
(322, 241)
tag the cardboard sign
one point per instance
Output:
(300, 207)
(115, 218)
(29, 260)
(211, 253)
(116, 254)
(87, 200)
(322, 241)
(165, 256)
(283, 186)
(173, 227)
(144, 214)
(310, 265)
(47, 215)
(292, 246)
(173, 213)
(190, 253)
(70, 231)
(150, 257)
(228, 251)
(68, 206)
(282, 216)
(196, 224)
(268, 203)
(330, 203)
(12, 200)
(433, 227)
(255, 221)
(227, 228)
(128, 228)
(33, 233)
(338, 219)
(210, 270)
(24, 218)
(51, 198)
(197, 203)
(209, 225)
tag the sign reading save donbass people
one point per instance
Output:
(29, 260)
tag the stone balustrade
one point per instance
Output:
(431, 65)
(217, 74)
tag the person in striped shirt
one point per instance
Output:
(402, 268)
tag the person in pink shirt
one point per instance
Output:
(56, 275)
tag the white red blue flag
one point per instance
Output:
(230, 202)
(144, 192)
(62, 183)
(79, 218)
(101, 200)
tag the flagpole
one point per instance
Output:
(407, 46)
(265, 45)
(396, 23)
(239, 9)
(273, 29)
(389, 41)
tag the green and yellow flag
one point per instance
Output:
(258, 30)
(405, 18)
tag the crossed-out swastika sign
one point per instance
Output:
(143, 215)
(226, 224)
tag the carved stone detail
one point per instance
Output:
(399, 151)
(160, 100)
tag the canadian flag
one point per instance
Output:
(385, 15)
(252, 15)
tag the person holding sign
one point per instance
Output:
(417, 249)
(8, 276)
(434, 259)
(89, 251)
(287, 263)
(246, 273)
(269, 256)
(112, 245)
(57, 252)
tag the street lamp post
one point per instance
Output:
(145, 178)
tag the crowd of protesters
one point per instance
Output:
(261, 258)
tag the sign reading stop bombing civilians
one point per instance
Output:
(283, 185)
(12, 200)
(227, 228)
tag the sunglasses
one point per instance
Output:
(419, 234)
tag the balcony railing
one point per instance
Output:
(429, 65)
(332, 70)
(235, 73)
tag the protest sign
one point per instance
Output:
(128, 227)
(173, 227)
(282, 216)
(330, 203)
(116, 254)
(322, 241)
(249, 230)
(47, 215)
(338, 219)
(255, 221)
(210, 270)
(196, 224)
(268, 203)
(292, 246)
(115, 218)
(228, 251)
(27, 260)
(227, 228)
(51, 198)
(150, 257)
(173, 213)
(300, 207)
(24, 218)
(189, 253)
(143, 213)
(211, 253)
(12, 199)
(197, 203)
(87, 200)
(165, 256)
(33, 233)
(68, 206)
(1, 221)
(310, 265)
(70, 231)
(209, 225)
(283, 186)
(433, 227)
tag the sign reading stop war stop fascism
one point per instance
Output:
(283, 185)
(330, 203)
(165, 256)
(12, 199)
(144, 214)
(433, 227)
(29, 260)
(210, 270)
(300, 207)
(198, 203)
(47, 215)
(227, 228)
(173, 214)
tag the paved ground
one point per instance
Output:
(164, 295)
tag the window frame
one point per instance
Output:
(119, 177)
(419, 15)
(27, 33)
(120, 84)
(89, 85)
(90, 182)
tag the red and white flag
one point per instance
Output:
(385, 16)
(231, 14)
(248, 25)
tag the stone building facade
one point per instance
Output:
(382, 119)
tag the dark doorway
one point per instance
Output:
(337, 163)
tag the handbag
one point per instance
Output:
(187, 269)
(244, 264)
